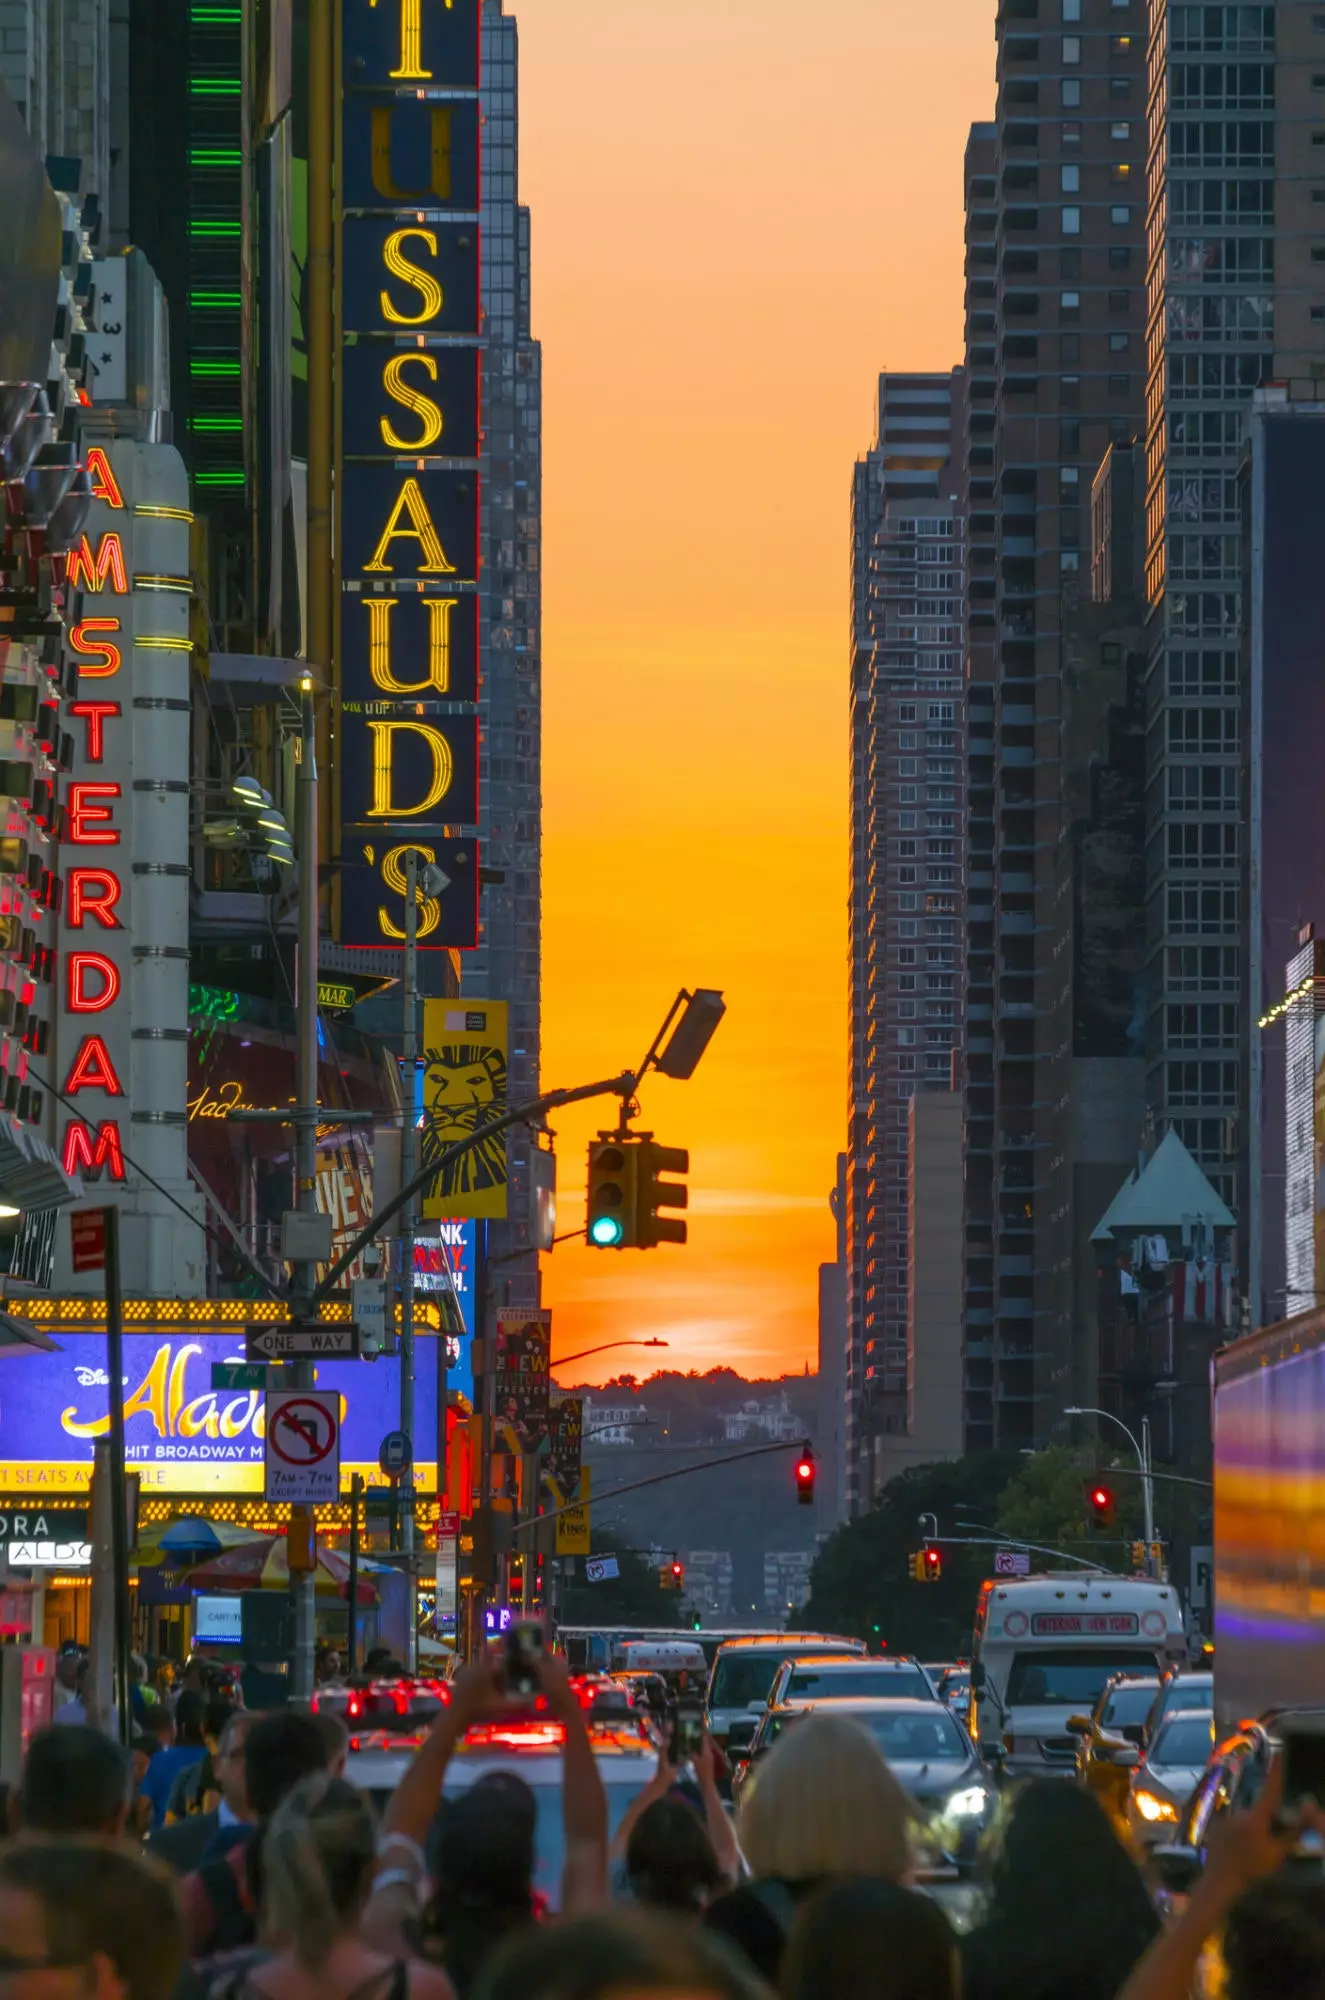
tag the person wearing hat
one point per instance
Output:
(482, 1845)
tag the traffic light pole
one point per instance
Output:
(408, 1134)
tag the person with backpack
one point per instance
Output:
(222, 1897)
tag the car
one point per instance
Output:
(744, 1671)
(1179, 1690)
(929, 1753)
(1108, 1739)
(1232, 1780)
(955, 1691)
(402, 1706)
(531, 1748)
(1169, 1772)
(818, 1677)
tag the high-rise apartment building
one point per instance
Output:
(506, 965)
(1236, 237)
(1055, 230)
(907, 749)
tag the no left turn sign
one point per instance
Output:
(303, 1446)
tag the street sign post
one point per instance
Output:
(303, 1447)
(1012, 1562)
(239, 1375)
(289, 1340)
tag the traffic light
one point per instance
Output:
(927, 1564)
(1138, 1555)
(805, 1475)
(613, 1180)
(653, 1194)
(1099, 1501)
(696, 1621)
(672, 1575)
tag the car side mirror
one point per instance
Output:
(1078, 1725)
(1177, 1867)
(1126, 1759)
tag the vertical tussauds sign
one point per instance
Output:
(408, 386)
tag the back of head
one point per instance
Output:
(220, 1708)
(1274, 1942)
(318, 1855)
(481, 1859)
(158, 1722)
(75, 1781)
(101, 1898)
(279, 1750)
(670, 1859)
(191, 1718)
(825, 1803)
(874, 1941)
(635, 1952)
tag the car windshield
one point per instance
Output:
(1188, 1694)
(907, 1738)
(740, 1678)
(1128, 1705)
(1068, 1679)
(1188, 1740)
(824, 1683)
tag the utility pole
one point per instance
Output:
(303, 1279)
(408, 1133)
(1148, 1498)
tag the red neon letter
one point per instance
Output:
(92, 570)
(97, 658)
(89, 824)
(92, 1069)
(96, 713)
(79, 999)
(83, 902)
(88, 1153)
(104, 486)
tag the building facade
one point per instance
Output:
(1055, 234)
(907, 805)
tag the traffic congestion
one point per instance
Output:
(623, 1812)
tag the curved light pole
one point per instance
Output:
(607, 1345)
(1142, 1450)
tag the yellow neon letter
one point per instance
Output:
(411, 503)
(399, 266)
(414, 400)
(443, 769)
(411, 41)
(379, 153)
(438, 676)
(393, 877)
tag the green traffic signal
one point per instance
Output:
(613, 1175)
(605, 1231)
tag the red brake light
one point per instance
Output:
(402, 1702)
(354, 1706)
(516, 1735)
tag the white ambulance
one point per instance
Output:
(1044, 1647)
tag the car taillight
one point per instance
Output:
(516, 1735)
(354, 1707)
(401, 1701)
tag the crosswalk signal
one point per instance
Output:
(1099, 1500)
(653, 1194)
(805, 1476)
(613, 1180)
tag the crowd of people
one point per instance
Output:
(228, 1857)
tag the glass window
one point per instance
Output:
(1119, 343)
(1128, 1705)
(1069, 179)
(1071, 222)
(1071, 10)
(1120, 216)
(1070, 302)
(1120, 129)
(1061, 1677)
(1071, 93)
(914, 1739)
(822, 1684)
(1071, 133)
(1188, 1739)
(1120, 86)
(1071, 50)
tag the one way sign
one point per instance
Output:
(297, 1340)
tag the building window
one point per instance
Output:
(906, 712)
(1120, 129)
(1069, 179)
(1069, 304)
(1120, 172)
(1120, 215)
(1318, 312)
(1120, 257)
(1069, 263)
(1072, 52)
(1118, 302)
(1120, 47)
(1071, 133)
(1118, 385)
(1071, 93)
(1119, 343)
(1071, 222)
(1120, 86)
(1071, 10)
(1069, 395)
(1069, 347)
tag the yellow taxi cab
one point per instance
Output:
(1109, 1739)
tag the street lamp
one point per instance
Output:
(584, 1352)
(1142, 1450)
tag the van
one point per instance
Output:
(1044, 1648)
(744, 1671)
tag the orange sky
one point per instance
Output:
(743, 210)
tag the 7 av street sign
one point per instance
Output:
(296, 1340)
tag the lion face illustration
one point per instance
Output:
(464, 1087)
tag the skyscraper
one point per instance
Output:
(1235, 178)
(1055, 230)
(908, 582)
(506, 965)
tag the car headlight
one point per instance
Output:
(968, 1803)
(1152, 1808)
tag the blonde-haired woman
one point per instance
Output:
(319, 1852)
(824, 1804)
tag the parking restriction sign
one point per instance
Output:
(303, 1446)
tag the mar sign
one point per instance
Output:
(303, 1447)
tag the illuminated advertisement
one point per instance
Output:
(464, 1087)
(409, 425)
(444, 1265)
(181, 1434)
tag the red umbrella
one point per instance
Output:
(264, 1565)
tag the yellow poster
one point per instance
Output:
(573, 1526)
(464, 1088)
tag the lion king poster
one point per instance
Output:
(464, 1088)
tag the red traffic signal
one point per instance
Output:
(1099, 1499)
(933, 1564)
(805, 1476)
(672, 1575)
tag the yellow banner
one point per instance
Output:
(464, 1087)
(573, 1526)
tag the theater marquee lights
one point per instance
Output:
(122, 1030)
(408, 485)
